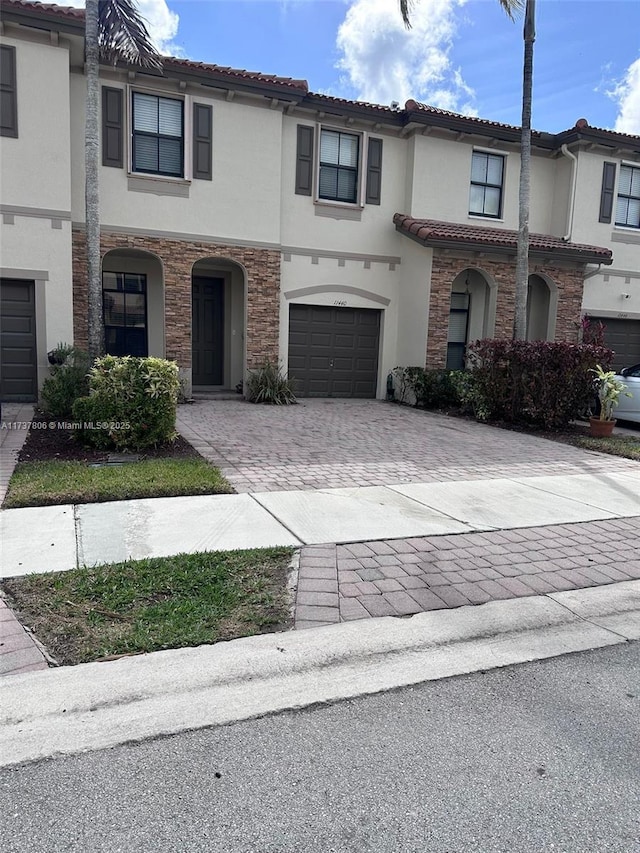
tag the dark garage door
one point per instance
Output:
(333, 352)
(18, 371)
(623, 337)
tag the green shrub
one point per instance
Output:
(467, 396)
(69, 380)
(540, 383)
(428, 389)
(267, 384)
(131, 405)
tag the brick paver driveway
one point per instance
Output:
(334, 443)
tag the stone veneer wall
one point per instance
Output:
(178, 257)
(569, 281)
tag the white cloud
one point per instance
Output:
(161, 22)
(385, 62)
(627, 95)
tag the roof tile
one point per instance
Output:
(430, 231)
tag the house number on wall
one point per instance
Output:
(339, 301)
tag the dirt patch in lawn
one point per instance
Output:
(50, 445)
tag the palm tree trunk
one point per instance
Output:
(522, 256)
(92, 197)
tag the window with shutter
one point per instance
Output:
(202, 142)
(157, 135)
(608, 190)
(628, 201)
(487, 173)
(339, 166)
(374, 171)
(304, 160)
(112, 127)
(8, 92)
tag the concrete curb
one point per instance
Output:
(99, 705)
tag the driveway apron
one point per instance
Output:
(324, 444)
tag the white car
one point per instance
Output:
(628, 408)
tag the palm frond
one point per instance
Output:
(122, 35)
(406, 8)
(513, 8)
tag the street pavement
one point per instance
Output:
(538, 757)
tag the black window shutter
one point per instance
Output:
(202, 141)
(608, 190)
(112, 127)
(304, 160)
(374, 171)
(8, 92)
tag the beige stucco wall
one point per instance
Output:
(307, 222)
(32, 249)
(35, 167)
(438, 187)
(35, 236)
(241, 202)
(413, 304)
(604, 290)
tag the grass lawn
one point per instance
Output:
(627, 446)
(161, 603)
(46, 483)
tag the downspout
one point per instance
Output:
(591, 273)
(572, 193)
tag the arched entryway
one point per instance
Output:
(218, 324)
(133, 303)
(542, 302)
(471, 314)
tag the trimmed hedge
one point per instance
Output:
(69, 380)
(427, 389)
(542, 383)
(131, 404)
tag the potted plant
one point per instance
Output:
(608, 389)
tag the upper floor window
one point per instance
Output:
(158, 135)
(487, 171)
(628, 203)
(339, 166)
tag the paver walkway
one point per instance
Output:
(399, 577)
(13, 432)
(18, 651)
(320, 444)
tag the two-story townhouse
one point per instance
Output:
(244, 217)
(604, 208)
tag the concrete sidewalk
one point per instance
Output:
(58, 538)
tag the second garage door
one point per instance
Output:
(623, 337)
(333, 352)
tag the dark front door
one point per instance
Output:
(18, 359)
(333, 352)
(208, 331)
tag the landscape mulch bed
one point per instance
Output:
(47, 445)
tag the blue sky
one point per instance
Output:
(463, 55)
